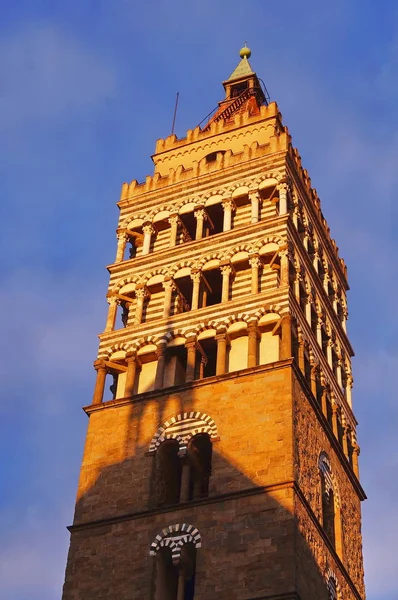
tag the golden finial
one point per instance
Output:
(245, 52)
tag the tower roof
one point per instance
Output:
(243, 69)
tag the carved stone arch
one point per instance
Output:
(122, 282)
(159, 209)
(175, 537)
(171, 335)
(235, 250)
(144, 217)
(183, 427)
(325, 468)
(271, 175)
(333, 586)
(157, 271)
(204, 326)
(147, 340)
(272, 308)
(180, 265)
(272, 239)
(106, 353)
(205, 259)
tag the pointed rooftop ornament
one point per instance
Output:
(244, 68)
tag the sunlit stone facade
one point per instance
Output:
(221, 458)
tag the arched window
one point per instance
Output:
(167, 474)
(175, 568)
(332, 588)
(183, 454)
(199, 455)
(331, 517)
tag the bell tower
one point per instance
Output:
(221, 459)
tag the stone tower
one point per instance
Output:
(221, 459)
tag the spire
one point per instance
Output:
(243, 92)
(244, 68)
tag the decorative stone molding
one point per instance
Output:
(175, 537)
(183, 428)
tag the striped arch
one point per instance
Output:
(163, 208)
(236, 318)
(330, 480)
(127, 220)
(147, 340)
(149, 274)
(236, 249)
(272, 308)
(122, 282)
(183, 428)
(272, 239)
(180, 265)
(106, 353)
(272, 175)
(332, 585)
(208, 258)
(196, 200)
(175, 537)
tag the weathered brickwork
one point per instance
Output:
(221, 459)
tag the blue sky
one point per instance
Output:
(86, 88)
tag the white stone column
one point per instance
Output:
(319, 331)
(101, 369)
(190, 345)
(201, 217)
(140, 294)
(282, 188)
(221, 364)
(339, 374)
(122, 239)
(255, 206)
(173, 220)
(148, 231)
(252, 346)
(297, 280)
(326, 280)
(308, 310)
(226, 271)
(168, 286)
(329, 353)
(348, 392)
(284, 257)
(161, 366)
(196, 277)
(113, 302)
(344, 321)
(228, 206)
(255, 263)
(131, 361)
(315, 261)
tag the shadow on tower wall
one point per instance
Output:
(260, 538)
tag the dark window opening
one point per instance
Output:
(211, 286)
(188, 568)
(325, 340)
(199, 456)
(303, 298)
(212, 157)
(167, 474)
(166, 587)
(209, 348)
(113, 386)
(189, 222)
(314, 320)
(238, 89)
(307, 367)
(185, 287)
(328, 513)
(215, 224)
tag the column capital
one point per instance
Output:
(255, 260)
(196, 275)
(228, 203)
(200, 213)
(169, 282)
(282, 186)
(148, 228)
(161, 348)
(226, 267)
(122, 235)
(141, 291)
(252, 328)
(112, 300)
(131, 357)
(99, 364)
(173, 219)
